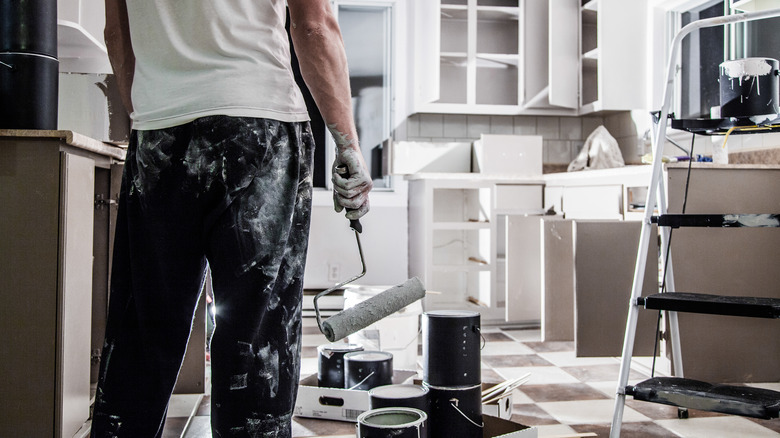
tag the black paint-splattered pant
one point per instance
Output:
(234, 193)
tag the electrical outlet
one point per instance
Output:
(334, 272)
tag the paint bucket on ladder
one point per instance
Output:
(393, 423)
(396, 334)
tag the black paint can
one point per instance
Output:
(451, 348)
(364, 370)
(750, 87)
(455, 412)
(399, 396)
(393, 423)
(330, 367)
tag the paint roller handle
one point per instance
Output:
(353, 223)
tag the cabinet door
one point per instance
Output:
(427, 44)
(563, 37)
(549, 54)
(74, 330)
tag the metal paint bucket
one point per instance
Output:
(393, 423)
(455, 412)
(330, 366)
(451, 348)
(399, 396)
(364, 370)
(749, 87)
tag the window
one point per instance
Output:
(366, 30)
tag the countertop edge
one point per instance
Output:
(71, 138)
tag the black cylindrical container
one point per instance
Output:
(28, 91)
(28, 26)
(330, 367)
(455, 412)
(393, 423)
(749, 87)
(364, 370)
(399, 396)
(29, 70)
(451, 348)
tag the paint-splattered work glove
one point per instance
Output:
(351, 182)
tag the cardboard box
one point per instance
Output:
(346, 405)
(501, 428)
(335, 403)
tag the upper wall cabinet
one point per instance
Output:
(496, 56)
(80, 46)
(613, 59)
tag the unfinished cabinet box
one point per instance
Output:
(454, 237)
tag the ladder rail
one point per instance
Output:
(652, 192)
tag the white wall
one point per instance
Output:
(384, 240)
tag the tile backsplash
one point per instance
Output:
(563, 137)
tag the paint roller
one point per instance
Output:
(367, 312)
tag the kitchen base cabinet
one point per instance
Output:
(46, 260)
(457, 229)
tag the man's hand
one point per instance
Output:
(351, 182)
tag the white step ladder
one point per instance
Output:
(678, 391)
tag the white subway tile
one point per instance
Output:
(548, 127)
(556, 152)
(571, 128)
(455, 125)
(478, 125)
(525, 125)
(501, 125)
(431, 125)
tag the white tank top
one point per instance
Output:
(196, 58)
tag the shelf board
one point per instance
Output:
(461, 226)
(498, 13)
(497, 60)
(454, 12)
(591, 54)
(592, 5)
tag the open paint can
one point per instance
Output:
(750, 87)
(399, 396)
(393, 423)
(364, 370)
(451, 348)
(330, 366)
(455, 412)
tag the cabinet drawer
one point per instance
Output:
(519, 198)
(593, 202)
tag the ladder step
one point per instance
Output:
(687, 393)
(718, 220)
(753, 307)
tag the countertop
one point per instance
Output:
(71, 138)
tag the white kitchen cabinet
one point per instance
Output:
(496, 57)
(549, 41)
(613, 59)
(455, 237)
(605, 194)
(80, 46)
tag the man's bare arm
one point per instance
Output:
(320, 49)
(120, 49)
